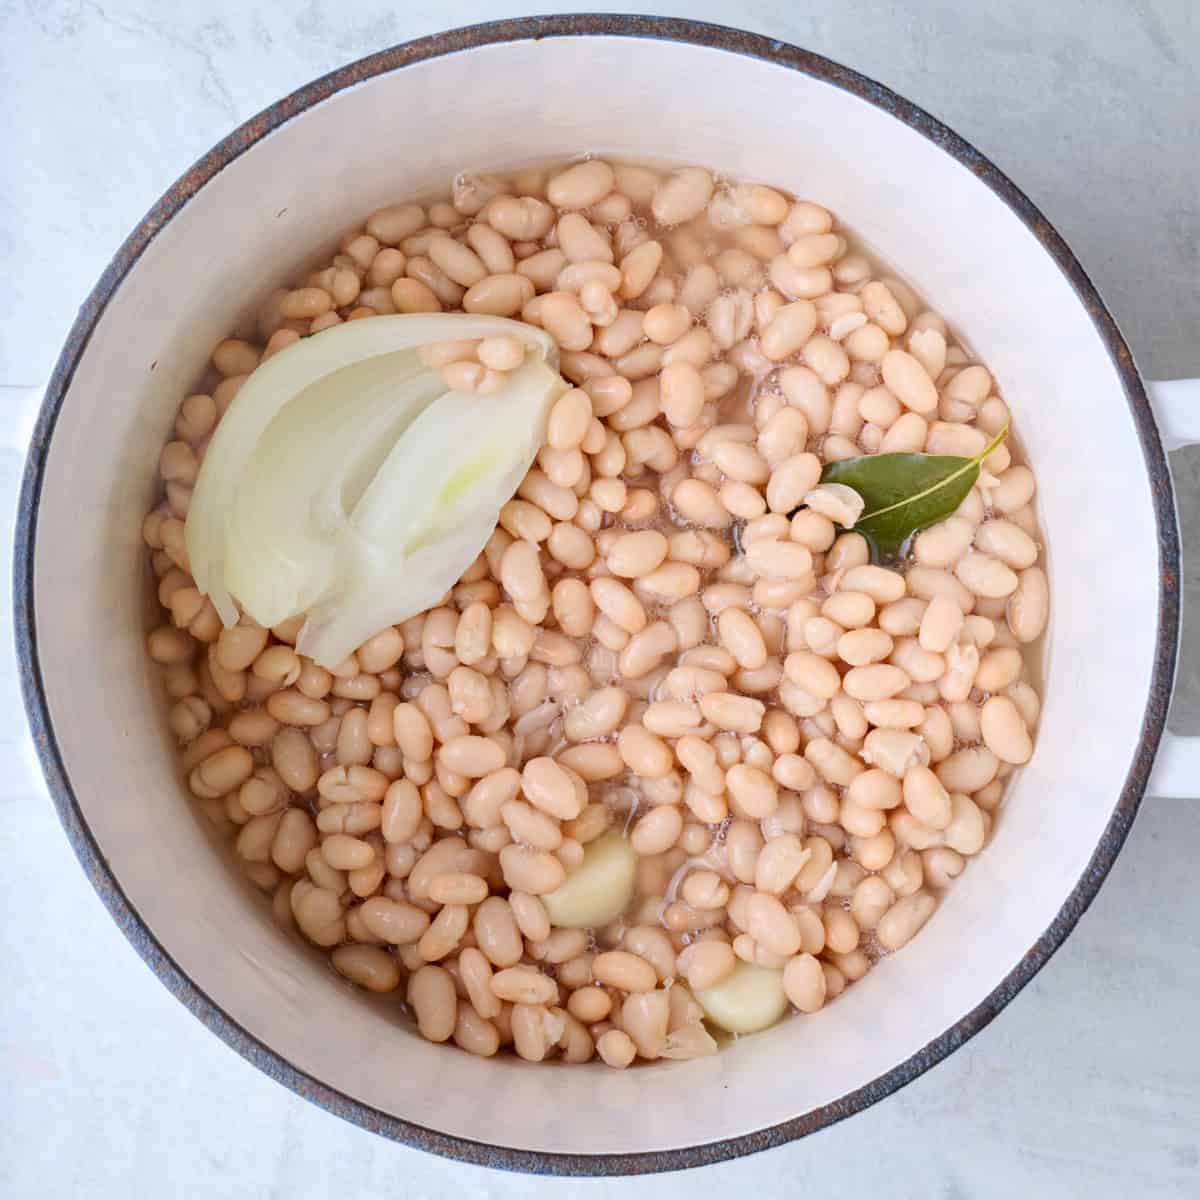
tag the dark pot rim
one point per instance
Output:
(90, 854)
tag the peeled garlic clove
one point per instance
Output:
(689, 1041)
(837, 501)
(599, 889)
(750, 998)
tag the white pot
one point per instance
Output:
(405, 121)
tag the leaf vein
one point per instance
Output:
(941, 484)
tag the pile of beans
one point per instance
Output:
(802, 748)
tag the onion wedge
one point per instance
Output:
(347, 482)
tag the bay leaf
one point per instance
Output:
(905, 493)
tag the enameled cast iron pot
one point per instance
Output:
(403, 121)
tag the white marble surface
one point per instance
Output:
(1088, 1085)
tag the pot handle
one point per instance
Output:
(1177, 406)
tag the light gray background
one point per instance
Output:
(1088, 1085)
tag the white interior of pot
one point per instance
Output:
(410, 131)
